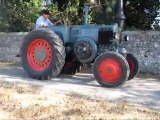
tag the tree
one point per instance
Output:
(18, 15)
(71, 10)
(104, 11)
(141, 14)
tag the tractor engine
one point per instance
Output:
(105, 36)
(108, 40)
(86, 48)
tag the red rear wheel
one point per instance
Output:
(39, 54)
(42, 54)
(111, 69)
(131, 65)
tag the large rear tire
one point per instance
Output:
(42, 54)
(133, 65)
(111, 70)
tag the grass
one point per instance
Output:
(23, 101)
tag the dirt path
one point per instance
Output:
(142, 91)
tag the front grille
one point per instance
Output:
(104, 36)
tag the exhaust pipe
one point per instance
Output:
(120, 17)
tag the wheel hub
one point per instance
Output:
(85, 50)
(109, 70)
(39, 54)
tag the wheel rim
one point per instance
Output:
(110, 70)
(131, 65)
(39, 54)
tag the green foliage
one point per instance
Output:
(141, 14)
(71, 11)
(20, 15)
(104, 11)
(68, 12)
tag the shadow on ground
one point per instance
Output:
(18, 72)
(145, 91)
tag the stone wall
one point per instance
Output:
(9, 46)
(145, 45)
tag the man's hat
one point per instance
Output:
(44, 11)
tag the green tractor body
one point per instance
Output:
(48, 52)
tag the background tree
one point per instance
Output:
(141, 14)
(104, 11)
(20, 15)
(72, 10)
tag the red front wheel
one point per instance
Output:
(111, 70)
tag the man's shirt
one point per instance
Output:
(42, 21)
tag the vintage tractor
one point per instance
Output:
(48, 52)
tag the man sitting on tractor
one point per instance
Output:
(43, 20)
